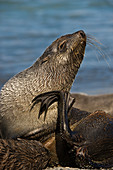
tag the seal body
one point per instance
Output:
(54, 70)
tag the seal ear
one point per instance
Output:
(44, 60)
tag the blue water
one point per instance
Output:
(27, 27)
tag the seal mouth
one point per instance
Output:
(83, 43)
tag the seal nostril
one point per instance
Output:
(82, 34)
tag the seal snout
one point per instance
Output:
(82, 34)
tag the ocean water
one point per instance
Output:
(27, 27)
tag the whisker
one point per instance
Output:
(95, 52)
(90, 37)
(98, 48)
(101, 54)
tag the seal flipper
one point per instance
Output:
(67, 142)
(48, 98)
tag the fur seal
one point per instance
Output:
(89, 144)
(54, 70)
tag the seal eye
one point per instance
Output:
(62, 46)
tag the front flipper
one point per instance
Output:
(48, 98)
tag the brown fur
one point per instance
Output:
(23, 154)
